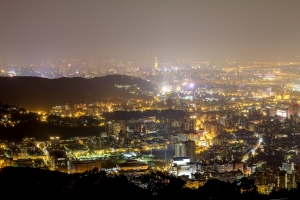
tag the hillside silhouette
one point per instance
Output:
(33, 183)
(36, 93)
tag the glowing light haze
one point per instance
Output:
(35, 30)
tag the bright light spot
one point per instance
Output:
(164, 89)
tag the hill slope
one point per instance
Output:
(41, 94)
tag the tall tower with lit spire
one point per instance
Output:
(155, 63)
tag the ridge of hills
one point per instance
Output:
(35, 93)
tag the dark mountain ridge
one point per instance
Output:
(36, 93)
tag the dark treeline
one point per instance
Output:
(163, 114)
(42, 131)
(32, 183)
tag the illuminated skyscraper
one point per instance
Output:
(186, 149)
(180, 150)
(155, 63)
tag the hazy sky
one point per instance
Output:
(126, 29)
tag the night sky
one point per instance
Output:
(37, 30)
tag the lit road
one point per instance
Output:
(245, 157)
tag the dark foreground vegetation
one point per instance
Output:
(31, 183)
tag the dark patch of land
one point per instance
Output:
(36, 93)
(117, 115)
(43, 131)
(33, 183)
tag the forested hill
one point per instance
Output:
(36, 93)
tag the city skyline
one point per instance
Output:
(185, 99)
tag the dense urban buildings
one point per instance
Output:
(162, 99)
(203, 122)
